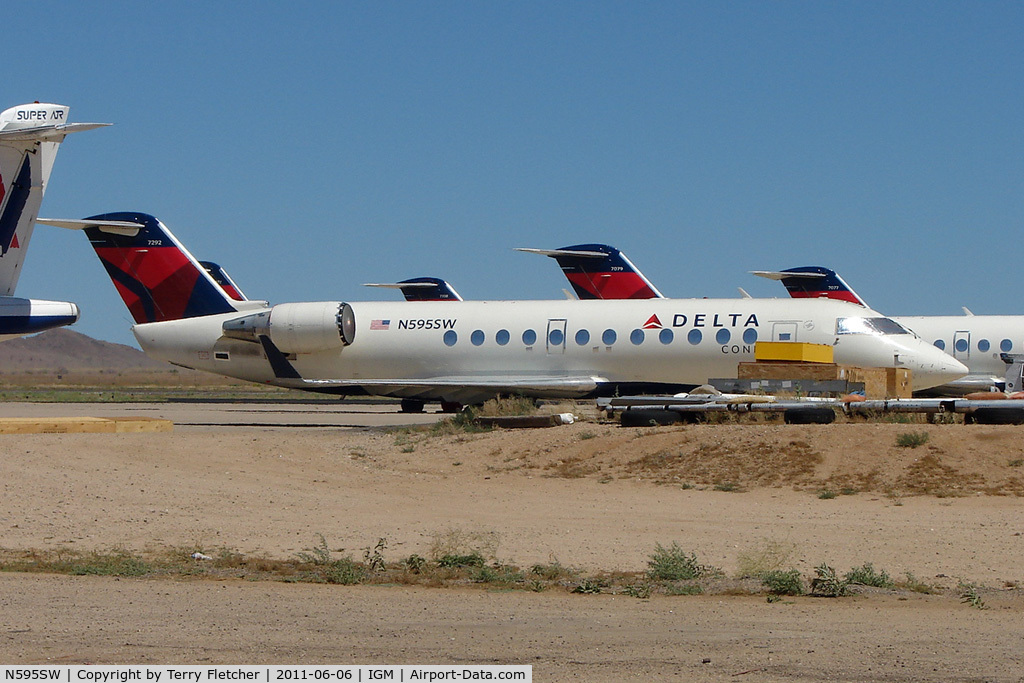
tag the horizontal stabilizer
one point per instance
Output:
(782, 275)
(564, 252)
(127, 228)
(422, 289)
(56, 133)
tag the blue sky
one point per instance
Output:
(312, 147)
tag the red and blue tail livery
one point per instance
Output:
(813, 282)
(157, 278)
(599, 271)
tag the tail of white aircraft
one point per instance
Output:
(29, 137)
(156, 276)
(600, 271)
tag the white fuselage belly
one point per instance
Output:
(400, 340)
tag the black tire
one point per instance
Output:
(998, 416)
(412, 405)
(450, 406)
(810, 416)
(647, 418)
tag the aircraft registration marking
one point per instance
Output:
(428, 324)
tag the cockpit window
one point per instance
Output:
(869, 326)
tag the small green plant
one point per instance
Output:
(552, 571)
(911, 439)
(826, 584)
(728, 486)
(969, 595)
(116, 563)
(684, 589)
(847, 491)
(319, 554)
(672, 564)
(408, 449)
(415, 564)
(827, 494)
(638, 590)
(451, 561)
(911, 583)
(587, 587)
(867, 575)
(586, 436)
(1016, 463)
(779, 582)
(373, 558)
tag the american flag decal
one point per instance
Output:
(380, 324)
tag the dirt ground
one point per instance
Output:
(592, 496)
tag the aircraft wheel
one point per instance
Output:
(810, 416)
(999, 416)
(647, 418)
(412, 405)
(450, 406)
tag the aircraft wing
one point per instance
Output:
(469, 389)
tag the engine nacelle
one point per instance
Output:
(298, 328)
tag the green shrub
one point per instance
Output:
(473, 559)
(826, 584)
(911, 439)
(866, 575)
(779, 582)
(672, 564)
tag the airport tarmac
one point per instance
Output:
(199, 415)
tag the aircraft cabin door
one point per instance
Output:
(784, 332)
(962, 344)
(556, 336)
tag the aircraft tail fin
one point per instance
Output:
(813, 282)
(422, 289)
(599, 271)
(29, 137)
(157, 278)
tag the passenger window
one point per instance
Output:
(666, 336)
(451, 337)
(556, 337)
(961, 345)
(983, 345)
(477, 338)
(502, 337)
(694, 337)
(637, 337)
(1005, 346)
(749, 335)
(723, 336)
(609, 337)
(939, 344)
(583, 337)
(529, 337)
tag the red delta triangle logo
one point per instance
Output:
(653, 323)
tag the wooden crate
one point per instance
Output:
(878, 382)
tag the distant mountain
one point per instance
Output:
(63, 350)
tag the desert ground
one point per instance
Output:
(270, 480)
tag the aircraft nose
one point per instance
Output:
(936, 368)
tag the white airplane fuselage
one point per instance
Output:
(686, 342)
(974, 340)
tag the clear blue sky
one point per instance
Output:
(311, 147)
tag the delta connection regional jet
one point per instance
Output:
(470, 351)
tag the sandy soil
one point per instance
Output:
(593, 496)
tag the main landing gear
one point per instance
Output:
(415, 405)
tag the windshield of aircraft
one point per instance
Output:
(869, 326)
